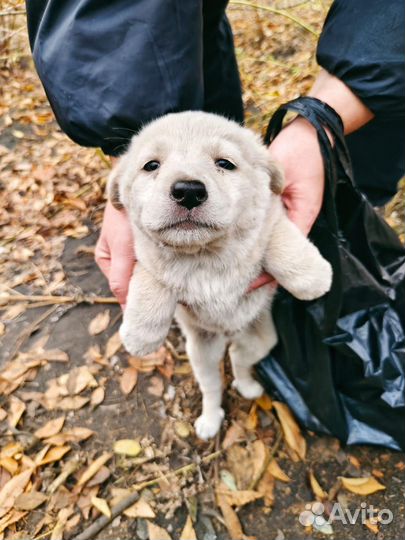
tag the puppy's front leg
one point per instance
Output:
(295, 262)
(148, 314)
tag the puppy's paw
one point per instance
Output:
(135, 343)
(207, 425)
(315, 283)
(248, 388)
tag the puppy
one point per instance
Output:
(203, 199)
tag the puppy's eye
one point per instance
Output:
(225, 164)
(151, 165)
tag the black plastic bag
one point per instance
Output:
(340, 361)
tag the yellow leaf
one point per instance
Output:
(128, 380)
(291, 430)
(127, 447)
(319, 493)
(276, 471)
(252, 418)
(9, 464)
(99, 323)
(101, 505)
(157, 533)
(362, 486)
(141, 509)
(93, 468)
(188, 532)
(50, 428)
(182, 429)
(264, 402)
(55, 454)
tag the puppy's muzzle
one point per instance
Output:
(189, 193)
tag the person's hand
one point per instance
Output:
(115, 251)
(296, 149)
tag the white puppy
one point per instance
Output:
(203, 198)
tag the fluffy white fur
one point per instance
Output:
(198, 264)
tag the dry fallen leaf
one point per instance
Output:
(291, 430)
(276, 471)
(79, 379)
(29, 501)
(371, 525)
(14, 487)
(75, 434)
(50, 428)
(231, 519)
(54, 454)
(266, 488)
(141, 509)
(99, 323)
(234, 434)
(264, 402)
(93, 468)
(127, 447)
(72, 403)
(100, 477)
(12, 517)
(156, 387)
(17, 408)
(101, 505)
(157, 533)
(128, 380)
(97, 396)
(188, 532)
(113, 346)
(319, 493)
(182, 429)
(252, 418)
(362, 486)
(238, 498)
(10, 464)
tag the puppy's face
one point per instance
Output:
(191, 178)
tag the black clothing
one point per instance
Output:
(109, 67)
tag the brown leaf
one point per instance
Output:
(100, 477)
(234, 434)
(12, 517)
(72, 403)
(3, 414)
(141, 509)
(17, 408)
(55, 355)
(188, 532)
(319, 493)
(239, 498)
(93, 468)
(362, 486)
(54, 454)
(29, 501)
(266, 488)
(79, 379)
(128, 380)
(99, 323)
(264, 402)
(97, 396)
(292, 433)
(50, 428)
(113, 346)
(157, 533)
(252, 419)
(231, 519)
(276, 471)
(14, 487)
(10, 464)
(76, 434)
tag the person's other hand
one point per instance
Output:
(115, 251)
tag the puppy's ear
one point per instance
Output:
(276, 177)
(113, 192)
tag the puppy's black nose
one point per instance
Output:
(189, 193)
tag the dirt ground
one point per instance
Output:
(60, 360)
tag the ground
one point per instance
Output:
(75, 408)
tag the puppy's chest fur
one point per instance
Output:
(211, 287)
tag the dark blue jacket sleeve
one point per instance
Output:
(362, 43)
(109, 67)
